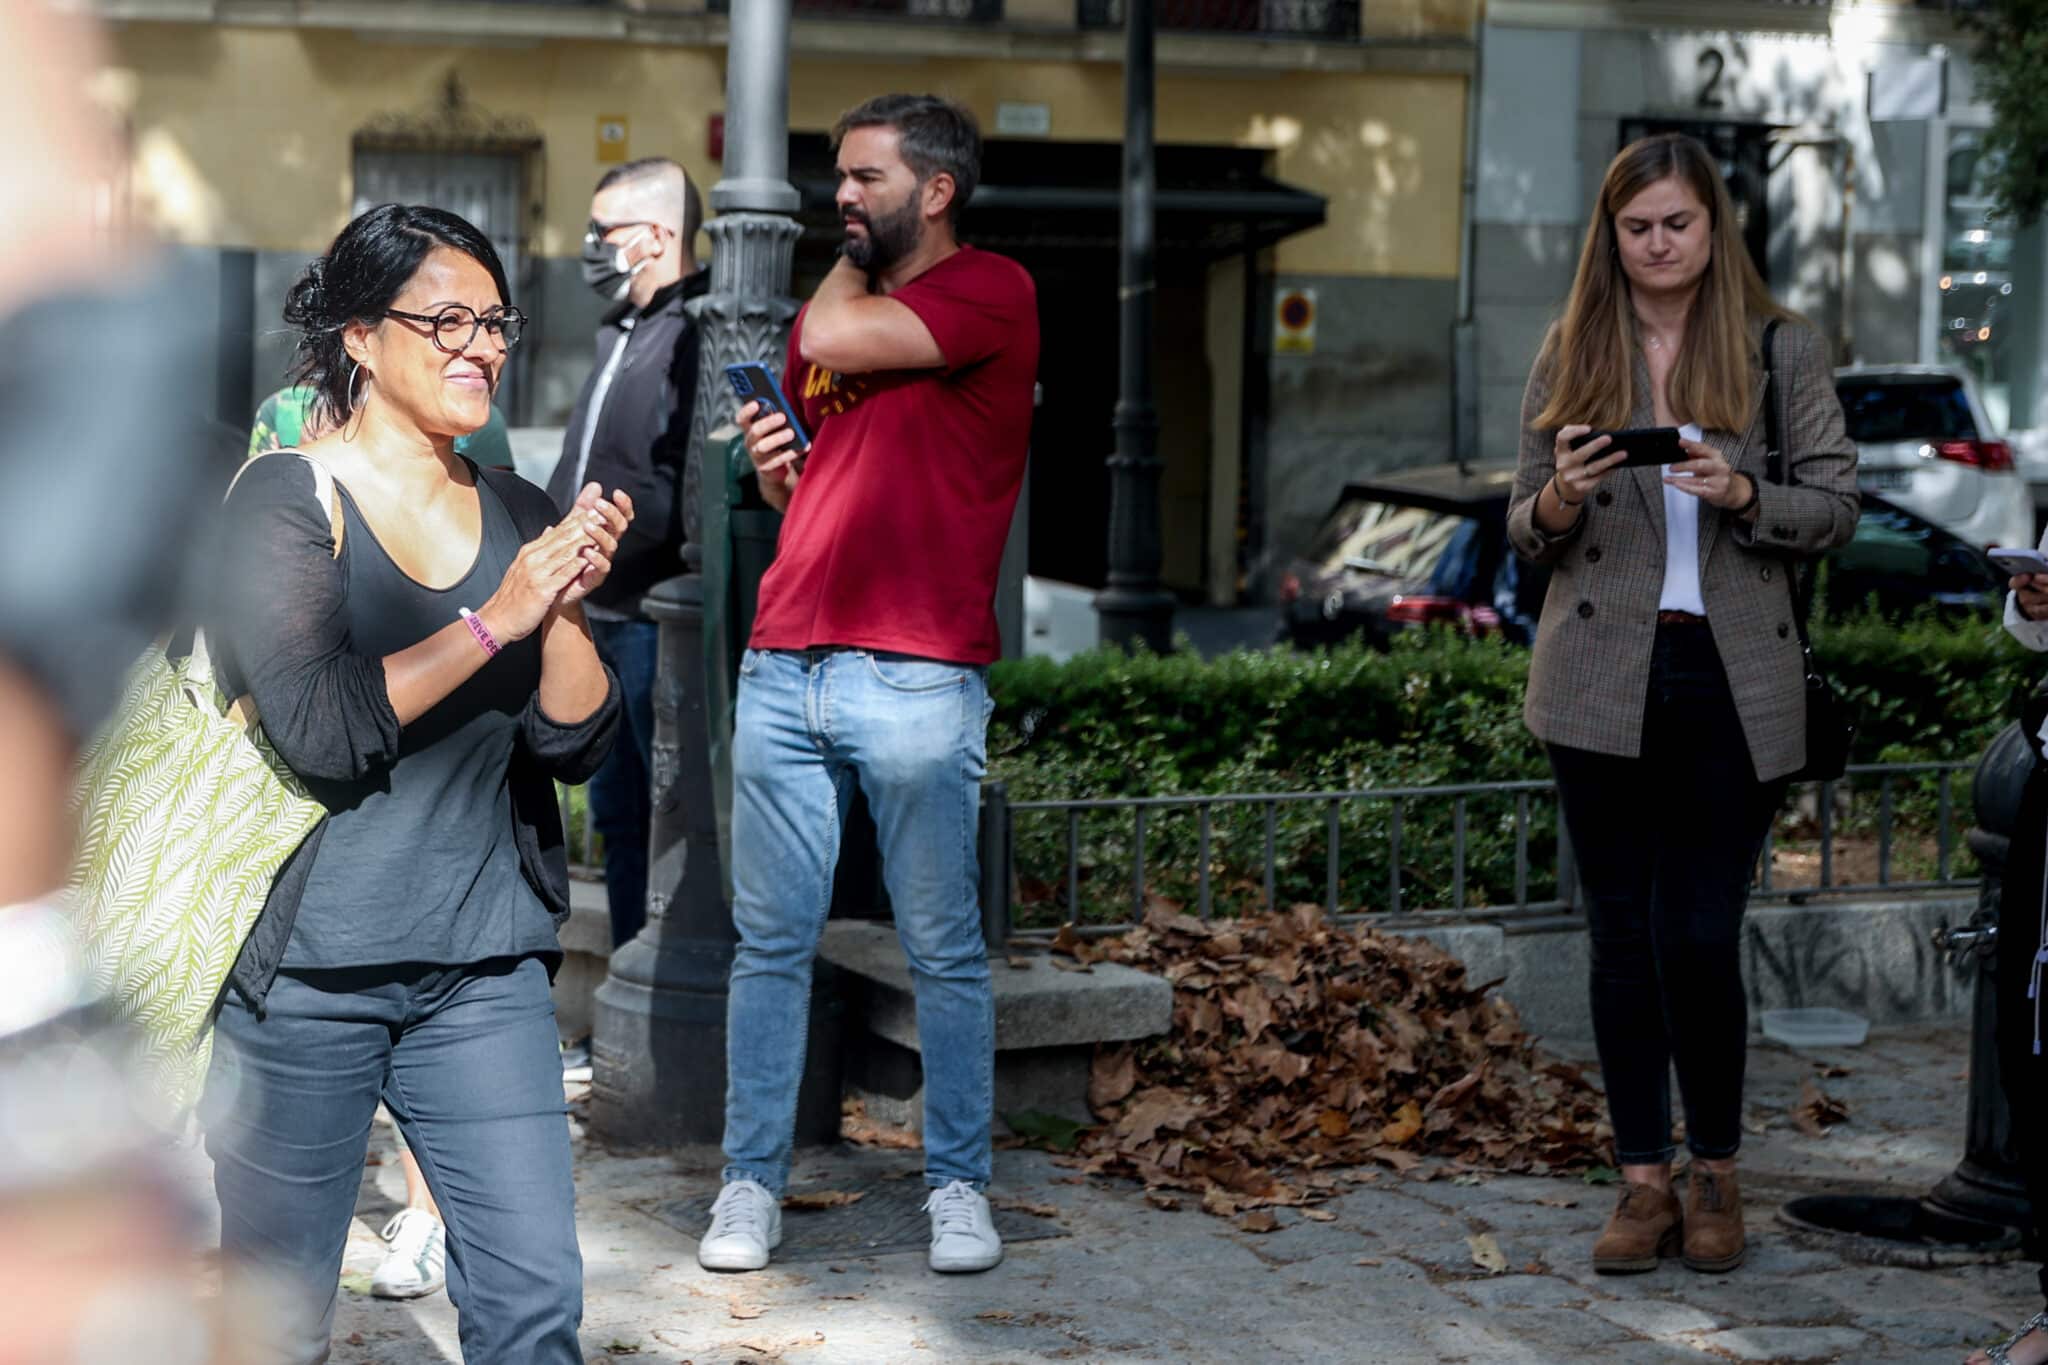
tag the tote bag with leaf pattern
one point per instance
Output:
(185, 813)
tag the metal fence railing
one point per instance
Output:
(1491, 850)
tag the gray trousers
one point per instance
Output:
(467, 1061)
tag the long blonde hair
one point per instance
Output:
(1592, 348)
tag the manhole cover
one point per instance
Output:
(888, 1218)
(1889, 1230)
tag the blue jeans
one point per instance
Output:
(913, 734)
(466, 1060)
(620, 803)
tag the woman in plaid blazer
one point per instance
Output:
(1666, 680)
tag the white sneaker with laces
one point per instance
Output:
(963, 1230)
(417, 1264)
(746, 1224)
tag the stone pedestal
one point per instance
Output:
(1048, 1022)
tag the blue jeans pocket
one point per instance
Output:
(914, 675)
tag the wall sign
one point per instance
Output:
(612, 141)
(1294, 322)
(1023, 120)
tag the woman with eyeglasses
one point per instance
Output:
(416, 649)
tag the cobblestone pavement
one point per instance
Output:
(1391, 1278)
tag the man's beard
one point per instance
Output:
(887, 240)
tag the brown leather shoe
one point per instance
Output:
(1713, 1221)
(1645, 1225)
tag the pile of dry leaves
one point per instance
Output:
(1302, 1050)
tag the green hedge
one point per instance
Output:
(1436, 709)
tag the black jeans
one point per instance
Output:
(2023, 1072)
(1666, 845)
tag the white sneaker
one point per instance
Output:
(746, 1224)
(417, 1264)
(963, 1231)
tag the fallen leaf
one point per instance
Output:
(856, 1126)
(622, 1348)
(1601, 1175)
(1319, 1215)
(1023, 1206)
(1259, 1220)
(744, 1311)
(1368, 1260)
(1168, 1202)
(1406, 1124)
(1048, 1130)
(1553, 1201)
(996, 1315)
(1069, 943)
(1817, 1111)
(1113, 1078)
(1019, 964)
(1486, 1253)
(813, 1200)
(1334, 1123)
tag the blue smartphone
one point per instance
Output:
(753, 382)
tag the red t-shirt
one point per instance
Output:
(897, 525)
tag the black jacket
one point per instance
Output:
(325, 710)
(642, 442)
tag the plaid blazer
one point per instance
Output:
(1590, 674)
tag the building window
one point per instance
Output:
(1976, 275)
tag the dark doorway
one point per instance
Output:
(1055, 207)
(1744, 152)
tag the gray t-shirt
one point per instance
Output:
(419, 861)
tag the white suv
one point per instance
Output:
(1924, 441)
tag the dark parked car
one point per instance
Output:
(1429, 546)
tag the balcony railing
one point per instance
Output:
(944, 11)
(1253, 18)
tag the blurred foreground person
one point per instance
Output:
(95, 1267)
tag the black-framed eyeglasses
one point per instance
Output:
(455, 327)
(598, 231)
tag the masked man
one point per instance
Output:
(631, 429)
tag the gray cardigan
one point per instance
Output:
(1591, 667)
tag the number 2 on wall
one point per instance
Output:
(1712, 65)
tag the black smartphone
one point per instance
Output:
(753, 382)
(1645, 446)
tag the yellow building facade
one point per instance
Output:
(256, 135)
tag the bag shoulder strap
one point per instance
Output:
(199, 668)
(1774, 448)
(1776, 472)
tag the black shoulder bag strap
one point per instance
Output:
(1775, 472)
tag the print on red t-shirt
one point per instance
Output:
(896, 528)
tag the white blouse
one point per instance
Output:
(1682, 544)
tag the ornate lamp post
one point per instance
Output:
(1133, 607)
(658, 1051)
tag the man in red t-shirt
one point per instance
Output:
(912, 369)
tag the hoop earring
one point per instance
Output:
(354, 416)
